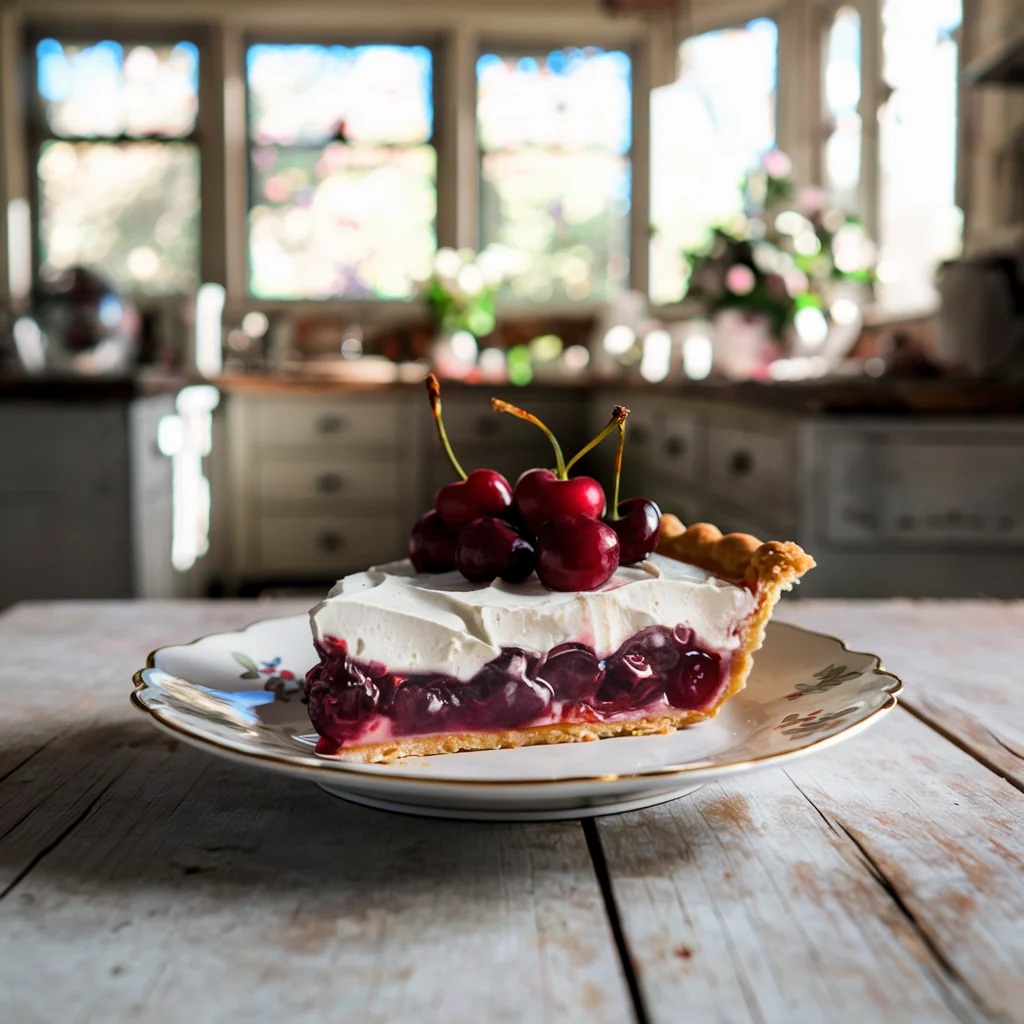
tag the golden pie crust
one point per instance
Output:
(766, 568)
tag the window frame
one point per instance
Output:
(36, 132)
(455, 43)
(529, 47)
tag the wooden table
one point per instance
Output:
(141, 880)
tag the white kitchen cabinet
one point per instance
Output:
(315, 486)
(86, 505)
(889, 506)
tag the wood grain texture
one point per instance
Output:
(143, 880)
(880, 880)
(962, 663)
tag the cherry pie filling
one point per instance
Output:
(656, 670)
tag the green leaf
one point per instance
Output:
(251, 671)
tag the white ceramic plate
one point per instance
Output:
(239, 695)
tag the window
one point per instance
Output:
(708, 129)
(554, 132)
(842, 99)
(343, 171)
(919, 222)
(118, 172)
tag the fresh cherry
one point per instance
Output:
(638, 527)
(483, 493)
(432, 544)
(576, 553)
(540, 495)
(488, 548)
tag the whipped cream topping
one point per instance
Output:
(420, 622)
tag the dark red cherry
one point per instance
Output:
(572, 671)
(488, 548)
(541, 496)
(432, 544)
(638, 528)
(483, 493)
(576, 553)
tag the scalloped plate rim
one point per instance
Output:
(333, 771)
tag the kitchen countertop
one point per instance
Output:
(839, 396)
(81, 388)
(879, 880)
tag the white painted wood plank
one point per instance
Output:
(141, 879)
(962, 662)
(880, 880)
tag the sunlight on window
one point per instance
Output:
(344, 195)
(107, 90)
(127, 206)
(555, 133)
(842, 97)
(708, 129)
(920, 224)
(131, 212)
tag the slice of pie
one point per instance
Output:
(415, 663)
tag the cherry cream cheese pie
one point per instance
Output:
(428, 663)
(537, 614)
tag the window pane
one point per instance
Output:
(129, 211)
(555, 131)
(708, 129)
(569, 99)
(920, 224)
(313, 94)
(564, 219)
(344, 220)
(106, 89)
(842, 96)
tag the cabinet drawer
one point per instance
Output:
(322, 545)
(337, 422)
(470, 420)
(339, 480)
(675, 450)
(744, 464)
(926, 490)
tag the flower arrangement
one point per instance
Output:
(789, 258)
(460, 290)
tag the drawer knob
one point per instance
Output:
(328, 483)
(330, 541)
(329, 424)
(674, 447)
(741, 463)
(487, 426)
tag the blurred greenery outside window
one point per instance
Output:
(709, 129)
(116, 161)
(555, 134)
(343, 170)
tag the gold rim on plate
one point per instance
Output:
(339, 767)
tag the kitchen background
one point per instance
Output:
(235, 236)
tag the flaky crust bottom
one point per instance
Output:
(559, 732)
(767, 569)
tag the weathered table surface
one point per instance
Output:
(141, 880)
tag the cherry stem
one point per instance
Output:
(499, 406)
(618, 468)
(619, 414)
(434, 391)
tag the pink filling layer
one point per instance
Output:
(353, 702)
